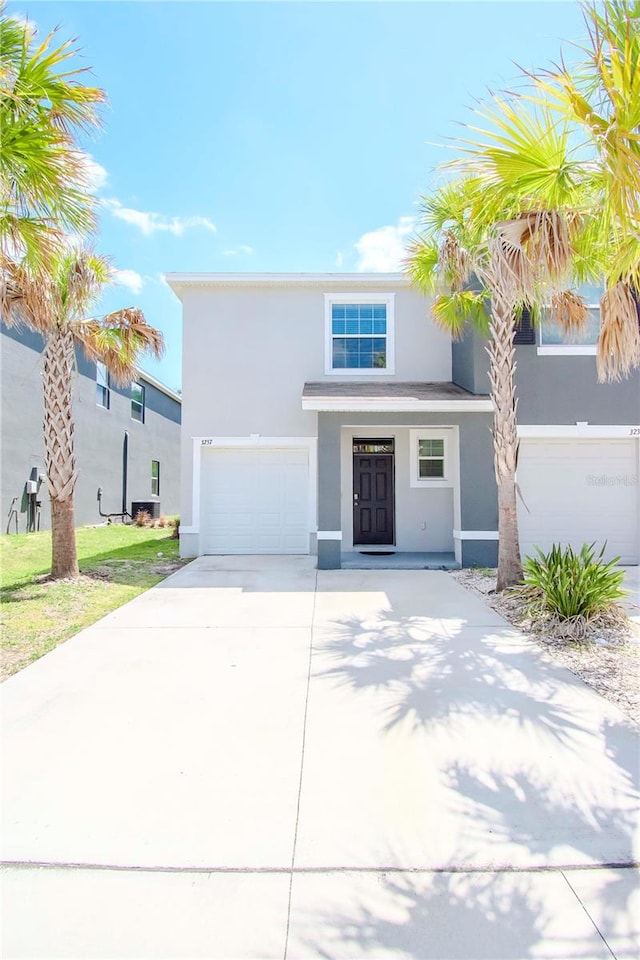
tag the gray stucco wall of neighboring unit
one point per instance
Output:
(557, 389)
(565, 389)
(478, 494)
(470, 364)
(99, 437)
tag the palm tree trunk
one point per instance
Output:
(501, 351)
(59, 453)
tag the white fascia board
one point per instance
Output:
(586, 431)
(395, 405)
(178, 281)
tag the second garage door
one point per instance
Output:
(255, 500)
(579, 491)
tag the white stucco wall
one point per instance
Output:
(248, 350)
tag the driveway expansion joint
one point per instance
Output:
(303, 871)
(595, 925)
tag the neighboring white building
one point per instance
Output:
(326, 413)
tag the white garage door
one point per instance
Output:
(578, 491)
(255, 500)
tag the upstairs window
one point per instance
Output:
(552, 334)
(553, 339)
(103, 391)
(137, 402)
(359, 334)
(155, 478)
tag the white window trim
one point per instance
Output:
(370, 297)
(431, 433)
(568, 350)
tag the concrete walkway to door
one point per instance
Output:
(256, 759)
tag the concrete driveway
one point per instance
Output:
(256, 759)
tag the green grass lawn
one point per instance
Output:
(116, 564)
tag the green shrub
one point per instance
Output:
(566, 584)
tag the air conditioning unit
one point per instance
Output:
(152, 507)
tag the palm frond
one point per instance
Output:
(569, 310)
(521, 154)
(26, 297)
(119, 340)
(618, 350)
(453, 311)
(421, 263)
(42, 109)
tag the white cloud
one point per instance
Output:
(149, 223)
(95, 173)
(234, 251)
(339, 258)
(382, 250)
(128, 278)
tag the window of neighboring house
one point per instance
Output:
(556, 340)
(103, 392)
(155, 478)
(137, 402)
(359, 333)
(431, 457)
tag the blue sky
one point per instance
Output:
(280, 136)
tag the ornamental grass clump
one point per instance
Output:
(572, 590)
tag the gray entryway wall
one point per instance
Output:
(477, 487)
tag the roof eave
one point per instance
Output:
(180, 281)
(395, 405)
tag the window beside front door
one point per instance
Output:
(359, 334)
(431, 457)
(155, 478)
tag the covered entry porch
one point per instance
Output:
(405, 476)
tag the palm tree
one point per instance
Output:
(515, 223)
(55, 304)
(43, 175)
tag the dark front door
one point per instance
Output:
(373, 503)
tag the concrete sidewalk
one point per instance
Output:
(256, 759)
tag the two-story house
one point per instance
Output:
(127, 440)
(328, 414)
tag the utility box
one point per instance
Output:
(152, 507)
(32, 486)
